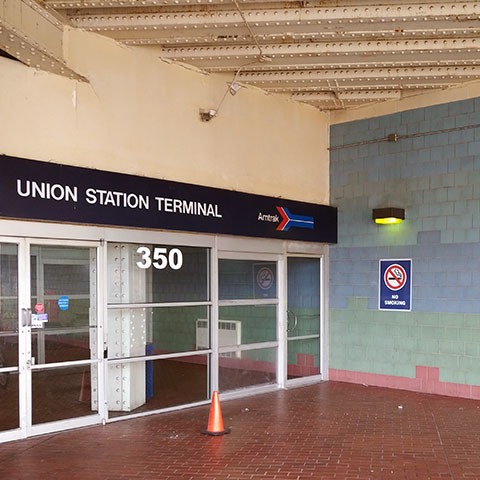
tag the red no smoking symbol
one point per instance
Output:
(395, 277)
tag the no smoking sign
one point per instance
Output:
(395, 286)
(395, 277)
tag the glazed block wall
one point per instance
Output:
(434, 173)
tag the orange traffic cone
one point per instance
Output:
(215, 423)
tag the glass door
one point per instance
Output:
(49, 349)
(303, 317)
(62, 347)
(247, 322)
(10, 346)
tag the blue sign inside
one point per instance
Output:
(395, 282)
(63, 303)
(265, 280)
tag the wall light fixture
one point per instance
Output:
(388, 216)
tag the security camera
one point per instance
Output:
(207, 115)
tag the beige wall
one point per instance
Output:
(436, 97)
(140, 115)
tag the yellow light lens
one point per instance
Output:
(388, 220)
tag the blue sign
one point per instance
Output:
(395, 282)
(63, 303)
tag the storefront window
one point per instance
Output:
(249, 368)
(159, 330)
(247, 279)
(143, 282)
(146, 273)
(245, 324)
(148, 385)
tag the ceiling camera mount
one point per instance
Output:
(207, 114)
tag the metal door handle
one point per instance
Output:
(26, 317)
(295, 321)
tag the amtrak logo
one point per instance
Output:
(287, 220)
(290, 220)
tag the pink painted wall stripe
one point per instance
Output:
(427, 380)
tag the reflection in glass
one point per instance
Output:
(146, 273)
(245, 324)
(8, 305)
(303, 296)
(8, 400)
(254, 367)
(166, 383)
(50, 346)
(68, 278)
(63, 303)
(303, 358)
(58, 394)
(246, 279)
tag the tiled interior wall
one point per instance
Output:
(434, 173)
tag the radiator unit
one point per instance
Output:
(229, 333)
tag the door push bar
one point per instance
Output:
(26, 317)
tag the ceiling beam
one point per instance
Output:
(148, 35)
(372, 60)
(455, 72)
(34, 36)
(340, 17)
(378, 47)
(347, 96)
(66, 4)
(360, 79)
(361, 86)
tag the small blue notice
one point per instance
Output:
(63, 303)
(395, 292)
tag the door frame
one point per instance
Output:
(25, 368)
(322, 339)
(254, 255)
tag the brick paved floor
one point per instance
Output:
(328, 431)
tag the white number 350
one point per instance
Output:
(162, 258)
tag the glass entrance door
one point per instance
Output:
(303, 317)
(63, 353)
(9, 342)
(49, 354)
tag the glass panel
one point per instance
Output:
(240, 324)
(141, 273)
(51, 345)
(303, 317)
(73, 279)
(303, 358)
(8, 401)
(247, 368)
(58, 394)
(155, 384)
(134, 332)
(247, 279)
(8, 306)
(64, 311)
(303, 296)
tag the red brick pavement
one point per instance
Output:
(331, 430)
